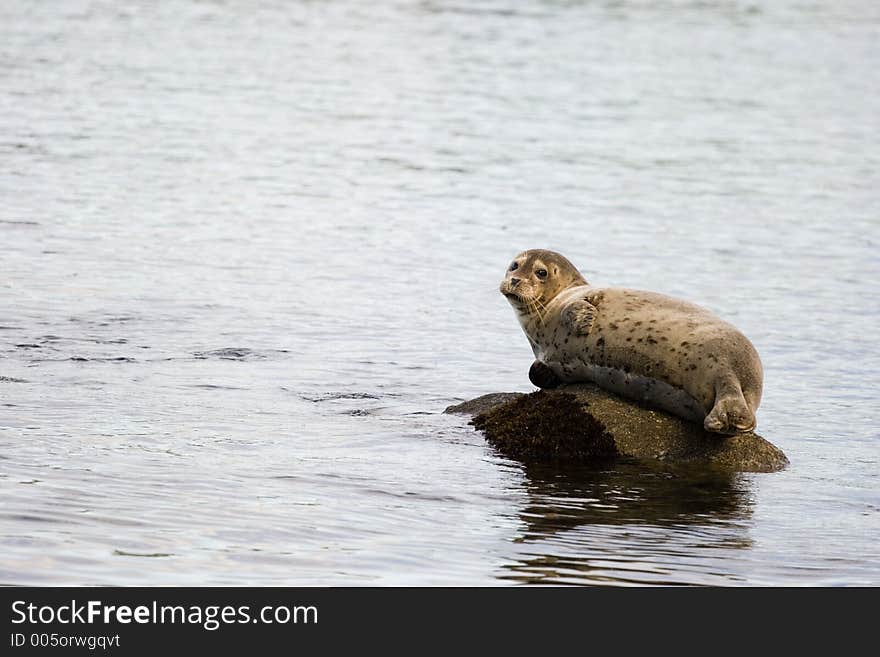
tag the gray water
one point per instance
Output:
(248, 254)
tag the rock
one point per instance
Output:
(582, 422)
(483, 403)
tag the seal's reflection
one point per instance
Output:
(628, 523)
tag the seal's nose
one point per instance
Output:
(514, 282)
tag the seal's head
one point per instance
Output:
(535, 277)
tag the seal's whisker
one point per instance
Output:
(533, 309)
(540, 310)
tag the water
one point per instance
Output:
(250, 253)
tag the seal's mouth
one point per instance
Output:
(516, 299)
(519, 303)
(513, 294)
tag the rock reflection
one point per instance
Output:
(629, 523)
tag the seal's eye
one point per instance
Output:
(541, 273)
(514, 266)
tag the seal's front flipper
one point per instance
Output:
(542, 376)
(580, 315)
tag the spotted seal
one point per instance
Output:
(664, 352)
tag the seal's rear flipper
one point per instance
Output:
(730, 414)
(542, 376)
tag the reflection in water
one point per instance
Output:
(614, 525)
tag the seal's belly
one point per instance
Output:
(635, 386)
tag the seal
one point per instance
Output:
(648, 347)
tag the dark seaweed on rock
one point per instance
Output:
(541, 426)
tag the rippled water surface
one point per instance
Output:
(250, 252)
